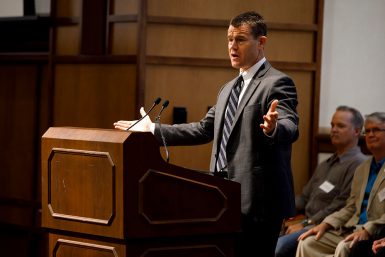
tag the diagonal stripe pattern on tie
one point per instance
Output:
(232, 106)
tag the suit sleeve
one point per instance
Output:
(284, 90)
(194, 133)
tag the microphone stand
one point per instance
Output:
(157, 120)
(156, 102)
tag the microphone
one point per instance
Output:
(157, 120)
(164, 106)
(156, 102)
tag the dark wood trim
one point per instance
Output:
(51, 68)
(293, 27)
(122, 18)
(93, 27)
(28, 57)
(165, 60)
(66, 21)
(225, 23)
(141, 54)
(20, 203)
(225, 63)
(316, 91)
(187, 21)
(90, 59)
(187, 61)
(295, 66)
(208, 22)
(25, 18)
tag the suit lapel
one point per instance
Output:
(376, 185)
(364, 181)
(254, 83)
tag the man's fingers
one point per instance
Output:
(353, 242)
(273, 105)
(142, 111)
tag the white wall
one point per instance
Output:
(11, 8)
(353, 57)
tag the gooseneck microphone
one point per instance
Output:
(156, 102)
(157, 120)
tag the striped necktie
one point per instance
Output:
(232, 106)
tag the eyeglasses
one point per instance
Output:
(375, 131)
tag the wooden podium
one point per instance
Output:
(110, 193)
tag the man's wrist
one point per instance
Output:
(307, 222)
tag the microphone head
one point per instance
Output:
(157, 100)
(165, 103)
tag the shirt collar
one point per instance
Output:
(377, 165)
(349, 153)
(249, 73)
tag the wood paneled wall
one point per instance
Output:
(175, 49)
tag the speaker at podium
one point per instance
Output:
(109, 193)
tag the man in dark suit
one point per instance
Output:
(253, 126)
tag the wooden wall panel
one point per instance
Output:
(123, 7)
(195, 88)
(67, 40)
(67, 8)
(123, 39)
(21, 87)
(187, 41)
(93, 95)
(301, 148)
(290, 46)
(302, 11)
(18, 107)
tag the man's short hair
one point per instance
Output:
(255, 20)
(376, 117)
(357, 120)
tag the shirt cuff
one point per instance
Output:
(274, 132)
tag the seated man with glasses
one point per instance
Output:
(364, 211)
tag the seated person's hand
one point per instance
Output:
(378, 244)
(294, 228)
(357, 236)
(318, 231)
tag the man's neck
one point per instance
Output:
(378, 156)
(342, 149)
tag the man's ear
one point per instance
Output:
(262, 41)
(357, 131)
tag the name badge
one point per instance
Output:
(381, 195)
(326, 186)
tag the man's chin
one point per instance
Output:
(235, 64)
(334, 141)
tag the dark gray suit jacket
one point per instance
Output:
(260, 163)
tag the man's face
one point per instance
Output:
(375, 135)
(342, 131)
(244, 49)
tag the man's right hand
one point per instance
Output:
(143, 126)
(294, 228)
(318, 231)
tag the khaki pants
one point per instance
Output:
(329, 245)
